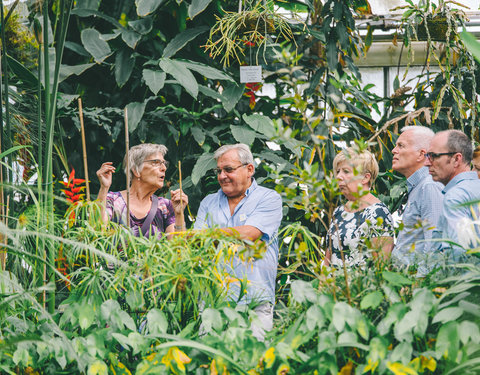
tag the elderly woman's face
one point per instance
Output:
(476, 165)
(153, 172)
(350, 182)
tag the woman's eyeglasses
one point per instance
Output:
(157, 162)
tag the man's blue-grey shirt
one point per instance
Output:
(262, 209)
(421, 215)
(463, 188)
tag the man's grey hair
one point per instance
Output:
(243, 151)
(137, 155)
(422, 136)
(458, 141)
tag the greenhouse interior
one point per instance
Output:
(240, 187)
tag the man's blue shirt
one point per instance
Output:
(421, 215)
(262, 209)
(463, 188)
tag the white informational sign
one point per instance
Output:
(249, 74)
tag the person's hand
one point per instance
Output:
(177, 205)
(104, 174)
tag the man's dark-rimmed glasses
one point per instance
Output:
(432, 155)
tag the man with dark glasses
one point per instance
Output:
(448, 160)
(253, 212)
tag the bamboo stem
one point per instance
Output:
(84, 148)
(127, 166)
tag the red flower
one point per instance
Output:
(71, 189)
(252, 87)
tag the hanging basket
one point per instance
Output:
(437, 28)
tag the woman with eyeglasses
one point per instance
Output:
(363, 217)
(149, 215)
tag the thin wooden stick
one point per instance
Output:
(127, 166)
(84, 148)
(3, 254)
(180, 183)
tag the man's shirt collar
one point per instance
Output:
(418, 176)
(460, 177)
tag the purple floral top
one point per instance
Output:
(117, 212)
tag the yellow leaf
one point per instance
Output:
(347, 369)
(283, 369)
(371, 366)
(97, 368)
(180, 358)
(398, 369)
(213, 368)
(269, 357)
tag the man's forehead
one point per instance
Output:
(229, 156)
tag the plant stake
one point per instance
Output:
(127, 166)
(180, 183)
(84, 148)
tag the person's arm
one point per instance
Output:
(246, 232)
(264, 222)
(178, 208)
(104, 175)
(383, 243)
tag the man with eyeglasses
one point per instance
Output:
(448, 160)
(253, 212)
(425, 198)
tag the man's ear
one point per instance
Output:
(421, 157)
(250, 169)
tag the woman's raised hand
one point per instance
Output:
(104, 174)
(177, 205)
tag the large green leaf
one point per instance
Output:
(177, 43)
(231, 95)
(142, 26)
(154, 79)
(204, 163)
(131, 38)
(242, 134)
(22, 73)
(183, 76)
(471, 43)
(145, 7)
(124, 64)
(396, 279)
(207, 71)
(197, 7)
(198, 134)
(260, 123)
(448, 314)
(92, 41)
(371, 300)
(67, 70)
(156, 321)
(135, 113)
(448, 341)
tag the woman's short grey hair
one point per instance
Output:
(458, 141)
(137, 155)
(422, 136)
(244, 154)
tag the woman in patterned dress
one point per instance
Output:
(362, 217)
(147, 175)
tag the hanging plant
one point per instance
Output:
(250, 27)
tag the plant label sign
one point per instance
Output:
(249, 74)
